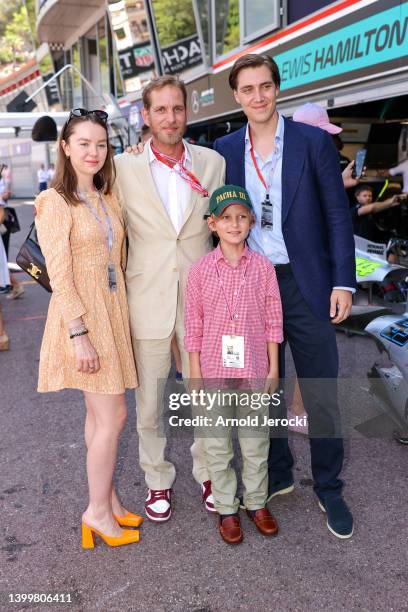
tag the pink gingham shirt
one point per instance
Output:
(258, 314)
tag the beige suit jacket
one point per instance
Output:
(159, 258)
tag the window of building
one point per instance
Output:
(177, 34)
(50, 93)
(103, 55)
(67, 80)
(133, 54)
(297, 10)
(173, 25)
(227, 26)
(203, 8)
(259, 17)
(119, 88)
(91, 67)
(61, 58)
(111, 62)
(76, 79)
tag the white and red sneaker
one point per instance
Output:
(208, 498)
(158, 505)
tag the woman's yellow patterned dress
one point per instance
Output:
(76, 253)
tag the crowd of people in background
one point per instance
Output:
(8, 224)
(364, 208)
(45, 176)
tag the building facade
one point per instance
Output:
(350, 56)
(336, 53)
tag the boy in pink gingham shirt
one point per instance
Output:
(233, 321)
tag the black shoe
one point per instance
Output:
(280, 487)
(339, 517)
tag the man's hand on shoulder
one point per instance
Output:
(136, 149)
(340, 305)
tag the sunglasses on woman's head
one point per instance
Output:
(82, 112)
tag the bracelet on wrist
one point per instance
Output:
(77, 334)
(79, 328)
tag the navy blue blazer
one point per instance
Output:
(316, 221)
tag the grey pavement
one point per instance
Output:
(183, 565)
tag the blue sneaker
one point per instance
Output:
(179, 377)
(339, 517)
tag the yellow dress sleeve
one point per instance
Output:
(53, 223)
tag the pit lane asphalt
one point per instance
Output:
(183, 565)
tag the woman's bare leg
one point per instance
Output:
(106, 417)
(90, 425)
(2, 328)
(13, 281)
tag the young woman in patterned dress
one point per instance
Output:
(86, 342)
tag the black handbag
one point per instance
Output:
(11, 220)
(31, 260)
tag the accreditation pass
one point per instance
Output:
(233, 351)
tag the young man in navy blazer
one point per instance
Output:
(292, 174)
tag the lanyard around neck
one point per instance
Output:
(231, 312)
(275, 158)
(179, 167)
(107, 229)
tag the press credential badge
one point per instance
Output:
(233, 351)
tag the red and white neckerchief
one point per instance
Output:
(179, 167)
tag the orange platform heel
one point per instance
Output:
(129, 519)
(129, 536)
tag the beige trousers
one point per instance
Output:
(153, 361)
(219, 451)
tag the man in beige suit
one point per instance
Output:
(164, 195)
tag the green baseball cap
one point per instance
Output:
(227, 195)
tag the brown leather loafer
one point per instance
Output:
(230, 529)
(264, 521)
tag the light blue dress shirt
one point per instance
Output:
(264, 241)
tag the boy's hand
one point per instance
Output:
(195, 382)
(195, 385)
(271, 382)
